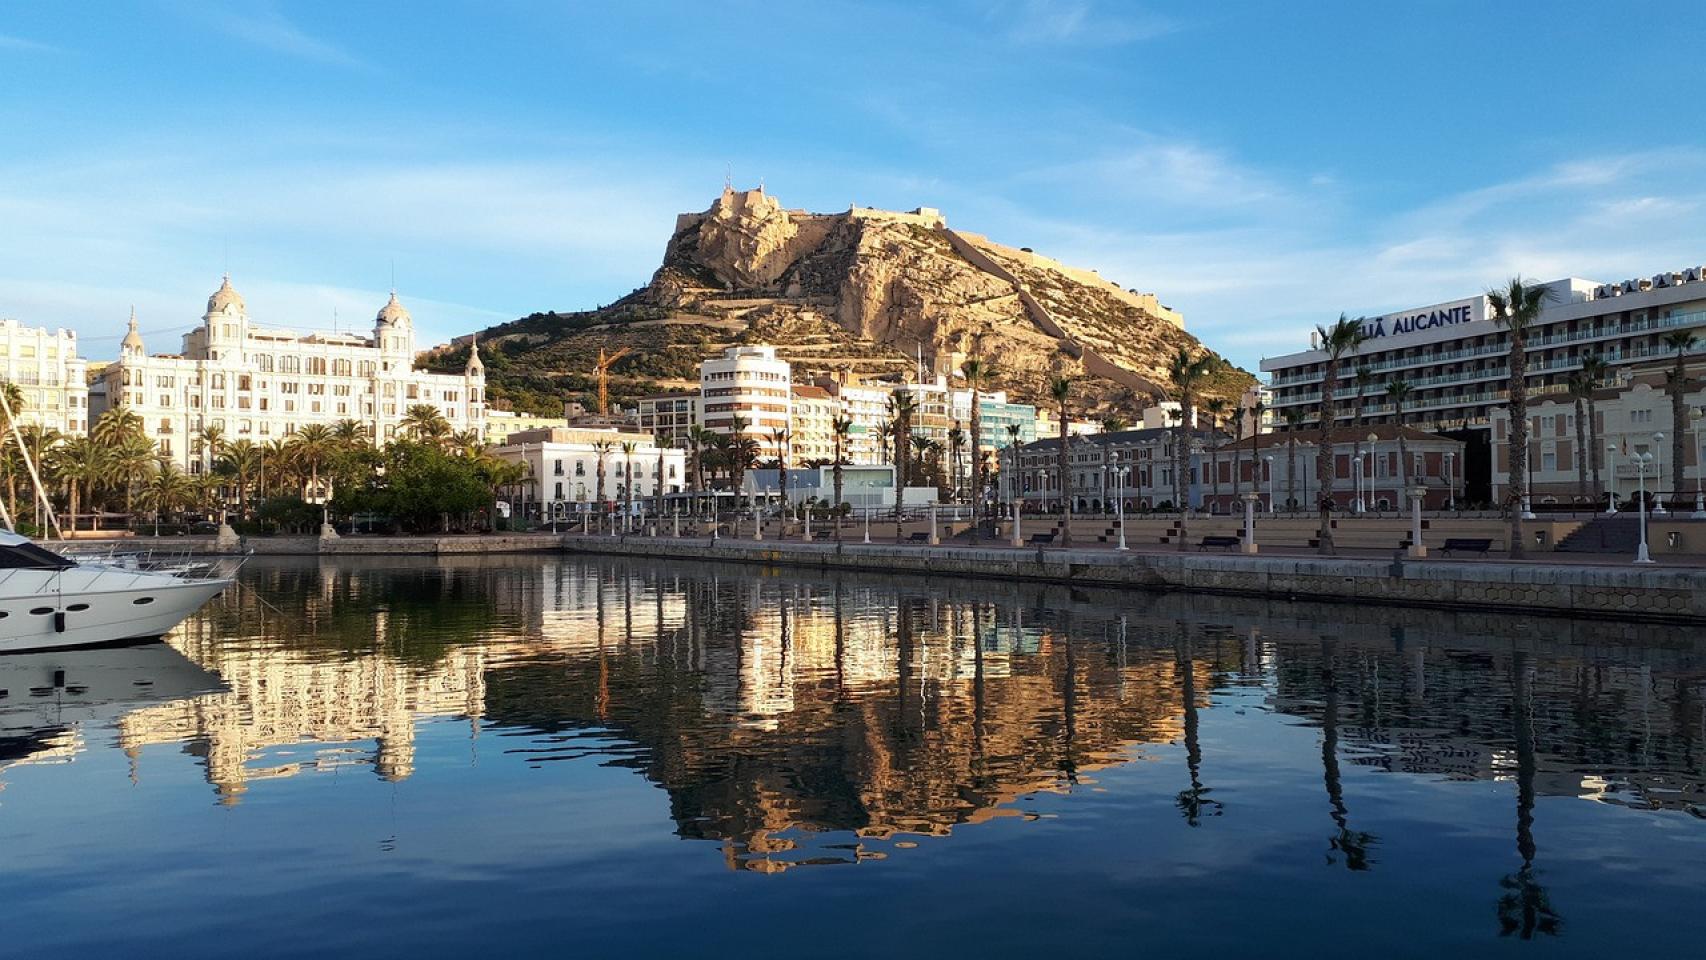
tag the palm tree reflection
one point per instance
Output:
(1352, 846)
(1194, 803)
(1524, 907)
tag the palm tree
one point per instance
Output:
(311, 445)
(1398, 391)
(885, 433)
(1215, 407)
(698, 438)
(902, 404)
(1343, 337)
(1253, 413)
(838, 429)
(742, 450)
(241, 464)
(1060, 391)
(1676, 384)
(210, 441)
(977, 373)
(81, 463)
(956, 450)
(350, 433)
(1517, 309)
(628, 448)
(1594, 369)
(1364, 381)
(602, 449)
(1294, 418)
(1186, 372)
(779, 438)
(166, 491)
(425, 423)
(114, 425)
(1580, 390)
(132, 456)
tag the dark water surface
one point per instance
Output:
(519, 756)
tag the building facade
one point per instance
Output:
(751, 383)
(259, 384)
(1371, 469)
(1453, 355)
(670, 416)
(563, 467)
(51, 378)
(811, 432)
(1135, 465)
(502, 424)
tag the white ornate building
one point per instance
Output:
(47, 371)
(259, 383)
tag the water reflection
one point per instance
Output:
(795, 719)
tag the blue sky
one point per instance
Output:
(1262, 166)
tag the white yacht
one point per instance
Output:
(49, 601)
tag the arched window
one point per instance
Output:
(340, 368)
(264, 361)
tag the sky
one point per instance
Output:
(1260, 166)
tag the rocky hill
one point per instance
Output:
(868, 291)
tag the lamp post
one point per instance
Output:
(1268, 462)
(1658, 475)
(1450, 481)
(1368, 489)
(1641, 461)
(1611, 479)
(1249, 542)
(1416, 494)
(1356, 471)
(1119, 503)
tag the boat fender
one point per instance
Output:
(59, 621)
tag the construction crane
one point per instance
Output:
(602, 370)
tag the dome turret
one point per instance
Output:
(475, 367)
(132, 343)
(393, 313)
(226, 298)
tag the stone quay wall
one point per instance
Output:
(1574, 590)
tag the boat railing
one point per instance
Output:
(182, 564)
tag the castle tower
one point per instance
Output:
(474, 376)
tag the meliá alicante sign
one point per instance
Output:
(1453, 314)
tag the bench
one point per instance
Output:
(1041, 539)
(1223, 542)
(1466, 545)
(919, 537)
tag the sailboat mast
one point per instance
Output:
(30, 464)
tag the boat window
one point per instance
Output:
(41, 611)
(77, 607)
(139, 601)
(28, 556)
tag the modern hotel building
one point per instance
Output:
(1453, 356)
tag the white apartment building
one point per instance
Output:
(751, 383)
(812, 430)
(52, 378)
(563, 465)
(259, 384)
(503, 424)
(868, 407)
(671, 416)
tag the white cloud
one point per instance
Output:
(8, 42)
(265, 27)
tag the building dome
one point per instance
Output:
(132, 343)
(393, 312)
(475, 367)
(226, 296)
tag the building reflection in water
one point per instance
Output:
(796, 719)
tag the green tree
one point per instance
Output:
(839, 428)
(977, 372)
(1580, 391)
(423, 422)
(1398, 391)
(1594, 370)
(1215, 407)
(1294, 419)
(1186, 372)
(902, 405)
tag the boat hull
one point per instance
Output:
(100, 611)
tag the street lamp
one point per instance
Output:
(1658, 472)
(1269, 461)
(1356, 471)
(1528, 479)
(1120, 472)
(1699, 468)
(1368, 489)
(1641, 461)
(1611, 479)
(1450, 481)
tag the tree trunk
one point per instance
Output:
(1403, 453)
(976, 461)
(837, 477)
(1325, 461)
(1582, 451)
(1678, 425)
(1291, 470)
(1065, 478)
(1518, 405)
(1595, 454)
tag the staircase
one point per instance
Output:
(1618, 534)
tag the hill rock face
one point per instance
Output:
(868, 291)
